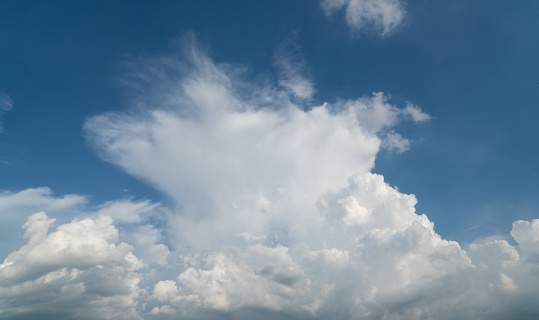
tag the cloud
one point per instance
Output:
(6, 103)
(292, 70)
(135, 216)
(16, 207)
(265, 178)
(368, 254)
(63, 248)
(276, 215)
(395, 141)
(79, 271)
(382, 15)
(415, 113)
(84, 268)
(209, 138)
(127, 211)
(526, 234)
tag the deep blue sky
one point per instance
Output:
(472, 65)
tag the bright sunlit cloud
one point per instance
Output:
(275, 209)
(256, 179)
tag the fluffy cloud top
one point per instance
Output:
(382, 15)
(78, 271)
(277, 214)
(16, 207)
(209, 139)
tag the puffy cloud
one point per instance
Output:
(265, 181)
(277, 209)
(78, 244)
(208, 138)
(148, 241)
(77, 271)
(82, 269)
(6, 103)
(502, 285)
(526, 234)
(16, 207)
(383, 15)
(277, 215)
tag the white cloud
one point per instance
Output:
(83, 268)
(127, 211)
(226, 139)
(376, 114)
(277, 215)
(526, 234)
(382, 15)
(292, 219)
(166, 309)
(251, 171)
(394, 141)
(165, 290)
(6, 103)
(367, 252)
(16, 207)
(79, 244)
(149, 244)
(79, 271)
(293, 72)
(415, 113)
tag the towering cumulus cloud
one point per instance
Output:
(276, 215)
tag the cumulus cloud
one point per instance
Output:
(210, 139)
(382, 15)
(526, 234)
(16, 207)
(79, 271)
(6, 103)
(276, 215)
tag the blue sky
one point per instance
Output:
(140, 111)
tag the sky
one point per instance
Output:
(329, 159)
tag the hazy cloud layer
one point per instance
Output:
(384, 16)
(277, 215)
